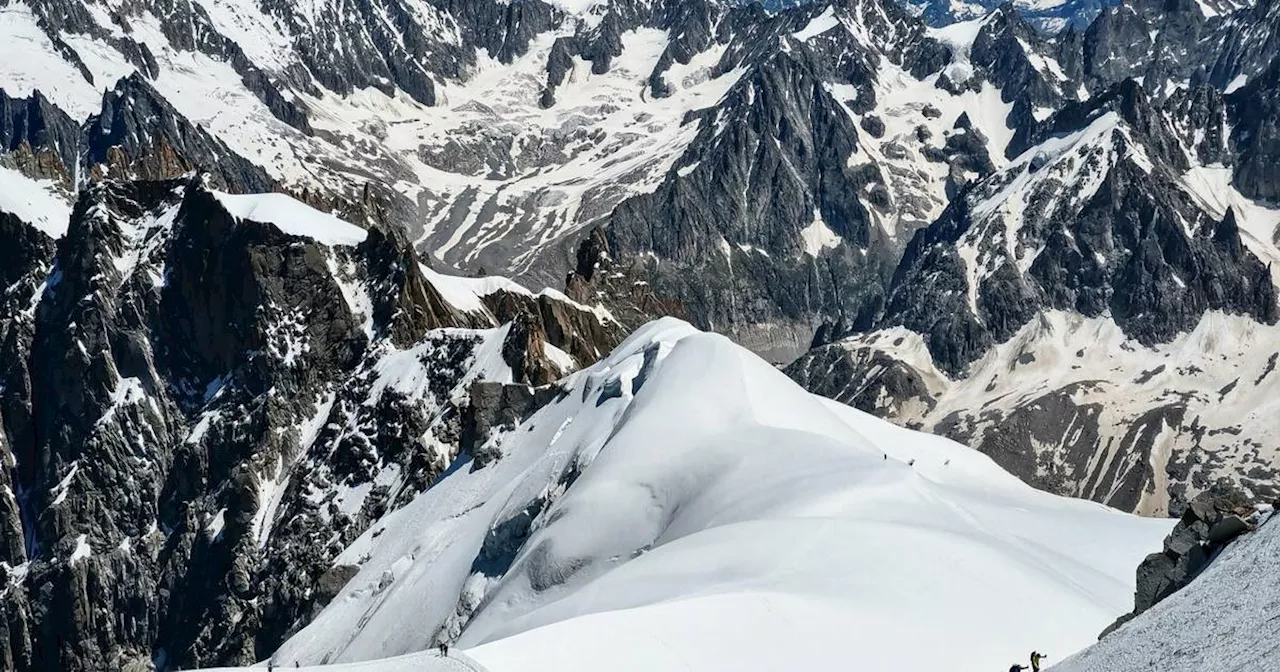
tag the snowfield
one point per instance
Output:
(684, 505)
(36, 202)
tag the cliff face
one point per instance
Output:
(202, 407)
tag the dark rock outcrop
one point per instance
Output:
(264, 398)
(1212, 520)
(138, 135)
(38, 139)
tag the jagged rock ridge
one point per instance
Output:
(202, 408)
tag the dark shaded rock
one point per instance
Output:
(138, 135)
(1205, 528)
(872, 125)
(332, 581)
(1227, 529)
(40, 140)
(201, 358)
(493, 406)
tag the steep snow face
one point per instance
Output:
(685, 505)
(36, 202)
(1227, 619)
(30, 62)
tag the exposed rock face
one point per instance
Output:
(1198, 627)
(1212, 520)
(1114, 234)
(597, 278)
(495, 406)
(37, 138)
(805, 148)
(1256, 106)
(1130, 242)
(264, 397)
(137, 135)
(140, 136)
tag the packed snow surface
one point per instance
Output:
(292, 217)
(1227, 619)
(684, 505)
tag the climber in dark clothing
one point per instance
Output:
(1036, 657)
(1017, 668)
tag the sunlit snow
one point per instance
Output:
(722, 518)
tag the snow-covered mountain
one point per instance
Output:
(1099, 313)
(233, 238)
(684, 505)
(499, 136)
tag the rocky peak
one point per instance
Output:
(228, 363)
(138, 135)
(1125, 239)
(406, 303)
(38, 139)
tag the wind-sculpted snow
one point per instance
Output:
(683, 504)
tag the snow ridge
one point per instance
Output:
(655, 502)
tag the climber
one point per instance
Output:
(1036, 657)
(1017, 668)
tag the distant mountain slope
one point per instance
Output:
(1049, 16)
(1099, 315)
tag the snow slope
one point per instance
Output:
(292, 217)
(1227, 619)
(36, 202)
(684, 505)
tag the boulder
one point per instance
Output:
(1206, 527)
(1227, 529)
